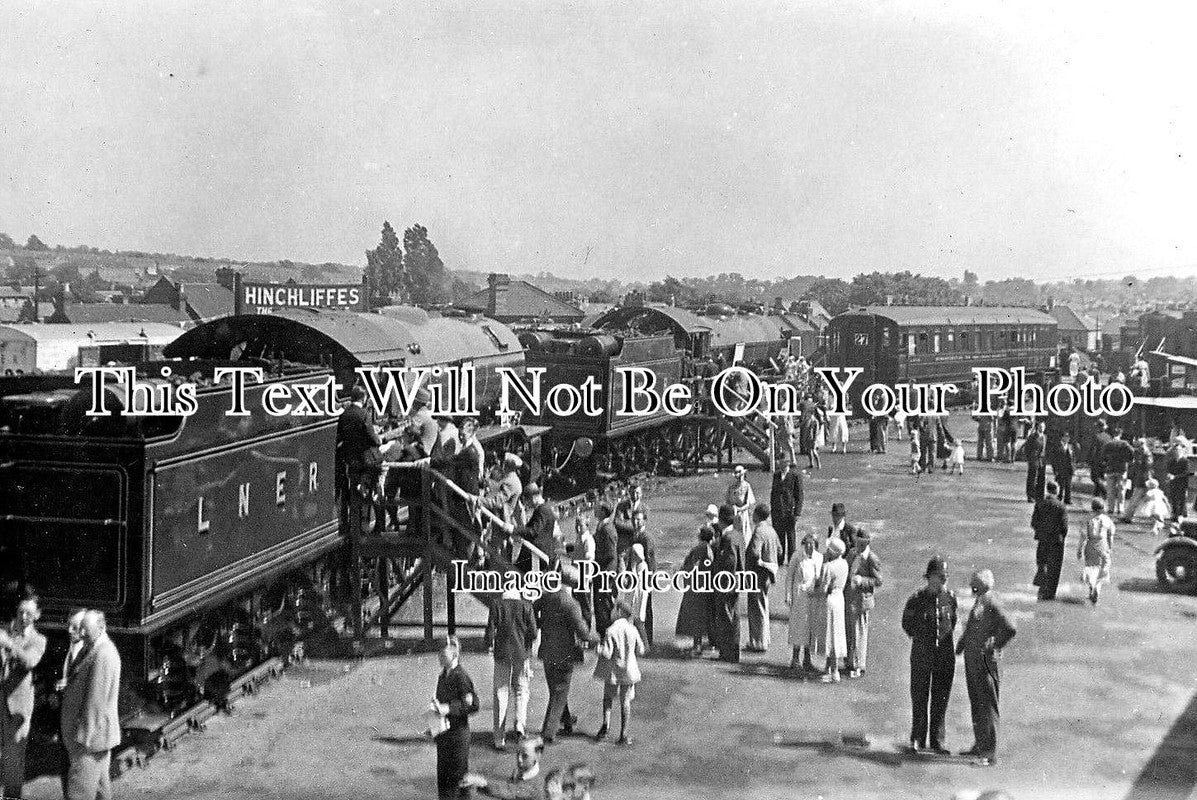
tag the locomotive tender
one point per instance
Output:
(176, 523)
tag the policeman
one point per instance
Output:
(929, 619)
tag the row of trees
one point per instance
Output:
(411, 273)
(32, 243)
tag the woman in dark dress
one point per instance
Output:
(455, 700)
(696, 614)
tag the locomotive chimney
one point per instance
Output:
(497, 284)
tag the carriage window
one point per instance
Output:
(861, 339)
(835, 341)
(1014, 337)
(935, 343)
(951, 340)
(885, 337)
(965, 342)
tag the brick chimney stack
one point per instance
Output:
(497, 284)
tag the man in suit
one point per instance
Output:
(356, 440)
(1117, 457)
(21, 648)
(606, 556)
(929, 619)
(761, 557)
(510, 634)
(1049, 520)
(785, 505)
(541, 529)
(986, 631)
(864, 577)
(1034, 451)
(562, 631)
(1063, 465)
(76, 649)
(91, 724)
(1096, 458)
(984, 437)
(425, 429)
(841, 528)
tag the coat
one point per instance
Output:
(16, 676)
(562, 627)
(90, 719)
(858, 595)
(694, 613)
(618, 654)
(1049, 520)
(785, 496)
(511, 629)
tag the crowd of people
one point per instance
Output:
(89, 724)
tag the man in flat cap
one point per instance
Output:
(427, 433)
(864, 577)
(986, 631)
(929, 619)
(785, 505)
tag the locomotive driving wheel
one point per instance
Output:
(1176, 568)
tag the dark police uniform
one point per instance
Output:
(929, 619)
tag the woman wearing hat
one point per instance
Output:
(806, 603)
(694, 616)
(1095, 549)
(833, 579)
(742, 501)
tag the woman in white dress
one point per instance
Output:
(806, 603)
(834, 579)
(1095, 550)
(742, 501)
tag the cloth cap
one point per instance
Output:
(937, 566)
(513, 460)
(810, 537)
(836, 546)
(984, 577)
(864, 536)
(837, 509)
(712, 510)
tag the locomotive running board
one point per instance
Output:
(163, 737)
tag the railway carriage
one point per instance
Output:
(940, 344)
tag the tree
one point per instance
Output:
(6, 242)
(428, 281)
(384, 269)
(35, 243)
(832, 294)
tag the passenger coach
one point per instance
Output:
(940, 344)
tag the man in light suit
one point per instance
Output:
(761, 557)
(21, 648)
(864, 576)
(90, 722)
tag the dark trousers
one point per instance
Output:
(981, 675)
(558, 677)
(1064, 478)
(604, 607)
(727, 625)
(452, 760)
(1178, 491)
(1036, 478)
(931, 671)
(787, 535)
(1098, 476)
(586, 603)
(1049, 560)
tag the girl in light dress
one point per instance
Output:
(1155, 506)
(833, 580)
(635, 561)
(916, 452)
(956, 460)
(1096, 549)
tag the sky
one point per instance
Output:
(619, 139)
